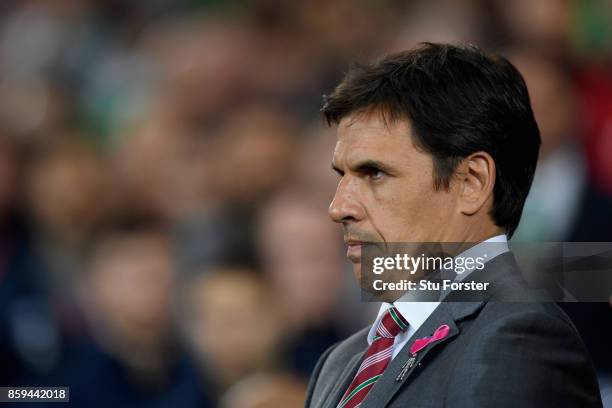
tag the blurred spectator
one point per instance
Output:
(253, 154)
(40, 315)
(159, 167)
(563, 204)
(246, 160)
(303, 258)
(64, 189)
(232, 322)
(134, 356)
(36, 39)
(543, 25)
(200, 64)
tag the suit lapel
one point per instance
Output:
(389, 385)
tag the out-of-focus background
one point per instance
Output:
(165, 175)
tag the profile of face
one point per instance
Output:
(386, 191)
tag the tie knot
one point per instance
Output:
(391, 324)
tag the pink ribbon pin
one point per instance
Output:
(419, 344)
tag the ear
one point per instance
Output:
(476, 182)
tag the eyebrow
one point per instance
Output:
(360, 165)
(373, 163)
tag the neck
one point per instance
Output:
(479, 233)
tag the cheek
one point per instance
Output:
(395, 207)
(411, 212)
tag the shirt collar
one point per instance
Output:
(487, 249)
(415, 314)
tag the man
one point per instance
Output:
(439, 144)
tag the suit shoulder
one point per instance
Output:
(331, 365)
(348, 347)
(530, 321)
(537, 311)
(530, 348)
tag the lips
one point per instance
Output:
(353, 251)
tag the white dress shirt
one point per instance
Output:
(417, 312)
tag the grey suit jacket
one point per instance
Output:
(498, 354)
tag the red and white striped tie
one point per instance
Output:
(376, 359)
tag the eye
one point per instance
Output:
(377, 175)
(339, 172)
(373, 173)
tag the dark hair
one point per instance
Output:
(458, 100)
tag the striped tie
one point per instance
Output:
(376, 359)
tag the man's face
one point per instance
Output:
(386, 189)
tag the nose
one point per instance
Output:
(345, 206)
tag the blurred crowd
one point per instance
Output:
(165, 175)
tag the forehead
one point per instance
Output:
(369, 135)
